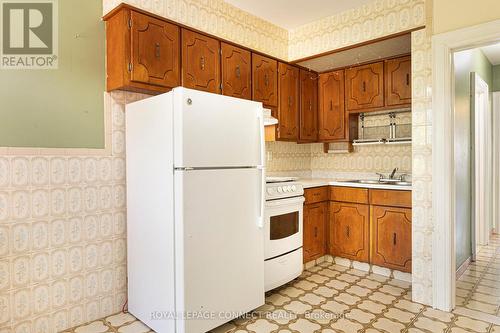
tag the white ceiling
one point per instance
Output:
(290, 14)
(362, 54)
(492, 52)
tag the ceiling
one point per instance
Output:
(290, 14)
(362, 54)
(492, 52)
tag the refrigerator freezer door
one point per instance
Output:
(219, 246)
(213, 130)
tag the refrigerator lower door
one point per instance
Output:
(219, 246)
(212, 130)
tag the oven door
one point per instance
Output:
(283, 226)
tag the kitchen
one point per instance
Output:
(310, 215)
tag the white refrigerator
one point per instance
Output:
(195, 201)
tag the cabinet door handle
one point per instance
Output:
(202, 62)
(310, 106)
(407, 79)
(290, 101)
(364, 86)
(266, 80)
(157, 50)
(315, 232)
(331, 105)
(348, 231)
(394, 238)
(238, 71)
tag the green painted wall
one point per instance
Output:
(496, 78)
(63, 107)
(465, 63)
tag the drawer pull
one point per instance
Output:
(394, 238)
(202, 62)
(157, 50)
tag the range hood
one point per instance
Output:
(269, 120)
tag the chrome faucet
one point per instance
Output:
(393, 173)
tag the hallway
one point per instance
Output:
(478, 289)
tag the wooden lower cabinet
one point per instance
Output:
(348, 231)
(315, 217)
(391, 237)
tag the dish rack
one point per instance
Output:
(393, 130)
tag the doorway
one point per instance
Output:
(463, 192)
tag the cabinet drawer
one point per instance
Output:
(349, 194)
(390, 198)
(316, 194)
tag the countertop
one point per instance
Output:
(317, 182)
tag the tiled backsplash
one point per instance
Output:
(363, 162)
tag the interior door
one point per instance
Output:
(219, 243)
(216, 131)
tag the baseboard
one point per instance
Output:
(461, 270)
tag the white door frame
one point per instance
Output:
(443, 187)
(496, 162)
(481, 171)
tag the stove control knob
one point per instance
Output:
(280, 189)
(270, 190)
(290, 188)
(294, 188)
(285, 189)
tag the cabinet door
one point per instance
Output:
(365, 87)
(349, 231)
(200, 62)
(288, 107)
(391, 237)
(398, 81)
(333, 120)
(155, 51)
(308, 106)
(264, 80)
(236, 72)
(315, 216)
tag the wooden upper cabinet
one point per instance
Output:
(349, 232)
(288, 102)
(365, 87)
(398, 81)
(391, 237)
(200, 62)
(308, 106)
(315, 217)
(333, 118)
(236, 71)
(143, 52)
(264, 80)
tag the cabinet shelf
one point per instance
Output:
(390, 130)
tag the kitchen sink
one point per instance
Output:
(377, 182)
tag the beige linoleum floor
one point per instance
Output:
(334, 298)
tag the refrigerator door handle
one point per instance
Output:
(261, 167)
(260, 219)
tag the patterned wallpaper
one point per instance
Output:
(219, 19)
(63, 231)
(372, 20)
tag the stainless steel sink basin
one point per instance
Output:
(377, 182)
